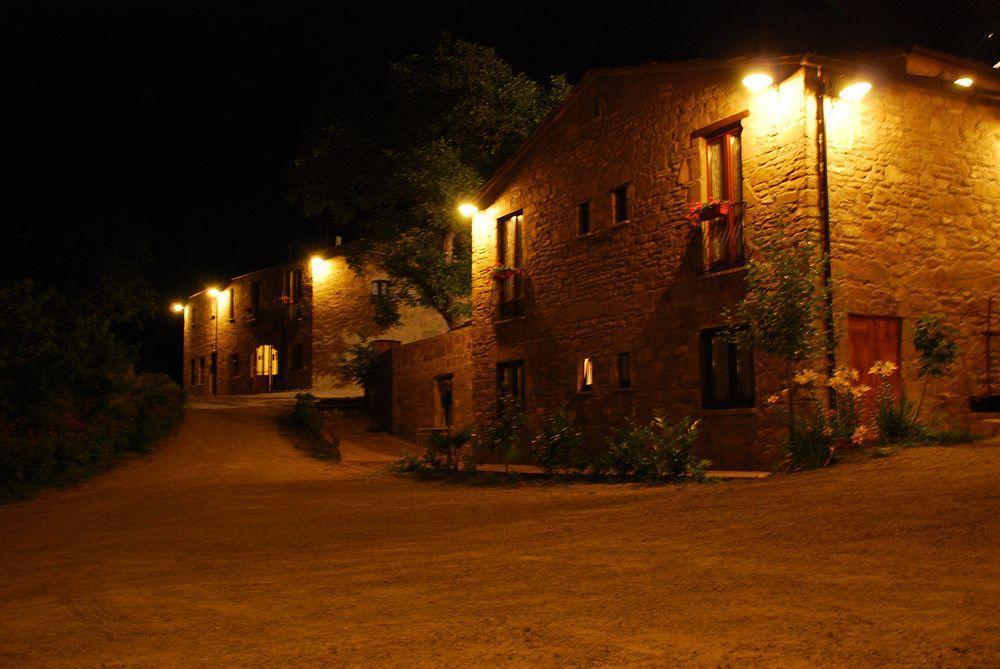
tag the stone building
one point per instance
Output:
(607, 301)
(285, 327)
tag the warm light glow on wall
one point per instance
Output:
(320, 268)
(213, 292)
(964, 82)
(855, 91)
(468, 209)
(177, 307)
(757, 81)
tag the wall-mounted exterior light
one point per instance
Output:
(468, 209)
(757, 81)
(320, 267)
(177, 307)
(855, 91)
(213, 292)
(964, 82)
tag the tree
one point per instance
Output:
(782, 311)
(936, 349)
(360, 363)
(395, 163)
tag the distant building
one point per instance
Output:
(608, 301)
(285, 327)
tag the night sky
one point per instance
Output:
(184, 118)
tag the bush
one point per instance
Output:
(307, 419)
(502, 438)
(70, 439)
(559, 445)
(443, 449)
(656, 450)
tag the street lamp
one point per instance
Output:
(213, 292)
(468, 209)
(177, 308)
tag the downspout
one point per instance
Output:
(824, 217)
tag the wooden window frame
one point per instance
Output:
(380, 287)
(732, 192)
(512, 306)
(620, 204)
(623, 367)
(519, 393)
(732, 399)
(583, 219)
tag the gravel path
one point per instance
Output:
(230, 548)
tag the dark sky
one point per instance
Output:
(183, 118)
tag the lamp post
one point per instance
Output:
(214, 294)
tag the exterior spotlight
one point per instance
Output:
(855, 91)
(320, 267)
(213, 292)
(964, 82)
(177, 307)
(468, 209)
(757, 81)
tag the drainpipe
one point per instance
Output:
(824, 216)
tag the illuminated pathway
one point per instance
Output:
(230, 548)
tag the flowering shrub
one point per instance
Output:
(894, 416)
(712, 208)
(502, 272)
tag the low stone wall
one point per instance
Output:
(422, 373)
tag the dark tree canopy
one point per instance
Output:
(394, 164)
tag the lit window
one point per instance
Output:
(587, 374)
(510, 382)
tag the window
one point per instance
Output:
(624, 371)
(583, 217)
(722, 236)
(267, 360)
(191, 377)
(619, 204)
(380, 287)
(446, 400)
(510, 254)
(727, 372)
(298, 361)
(234, 365)
(201, 370)
(254, 299)
(232, 305)
(587, 374)
(295, 286)
(510, 382)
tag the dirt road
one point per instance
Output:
(230, 548)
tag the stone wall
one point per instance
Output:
(334, 310)
(928, 160)
(639, 286)
(418, 371)
(915, 200)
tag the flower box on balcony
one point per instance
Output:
(505, 272)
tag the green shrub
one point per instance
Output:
(559, 445)
(70, 439)
(502, 438)
(657, 450)
(443, 449)
(307, 419)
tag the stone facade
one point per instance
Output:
(432, 384)
(914, 197)
(308, 326)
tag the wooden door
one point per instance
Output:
(874, 338)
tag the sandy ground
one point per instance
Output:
(230, 548)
